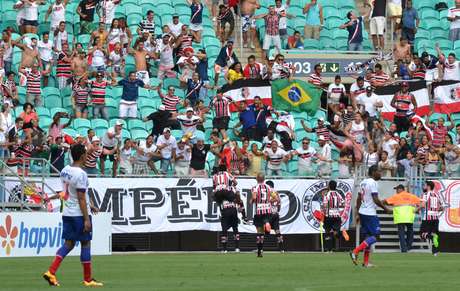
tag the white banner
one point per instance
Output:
(30, 234)
(450, 192)
(173, 204)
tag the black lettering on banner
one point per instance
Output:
(180, 208)
(111, 201)
(293, 207)
(212, 213)
(249, 208)
(144, 198)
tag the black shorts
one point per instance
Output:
(429, 226)
(275, 221)
(229, 218)
(221, 122)
(111, 157)
(29, 22)
(221, 195)
(332, 223)
(260, 220)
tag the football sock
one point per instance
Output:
(237, 241)
(367, 253)
(280, 241)
(223, 239)
(85, 259)
(435, 240)
(366, 243)
(60, 255)
(260, 243)
(328, 242)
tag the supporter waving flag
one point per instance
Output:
(246, 90)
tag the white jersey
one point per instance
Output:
(74, 179)
(305, 157)
(452, 71)
(57, 14)
(336, 91)
(368, 102)
(368, 188)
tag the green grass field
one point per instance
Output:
(280, 272)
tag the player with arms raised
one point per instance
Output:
(366, 205)
(223, 183)
(332, 205)
(76, 219)
(275, 219)
(261, 195)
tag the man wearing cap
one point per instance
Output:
(402, 102)
(111, 142)
(187, 63)
(175, 26)
(128, 102)
(404, 208)
(189, 121)
(166, 143)
(225, 59)
(169, 100)
(324, 156)
(182, 156)
(368, 104)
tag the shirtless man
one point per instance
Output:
(140, 56)
(100, 35)
(29, 52)
(79, 65)
(401, 50)
(248, 7)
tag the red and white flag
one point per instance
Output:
(246, 90)
(447, 97)
(419, 90)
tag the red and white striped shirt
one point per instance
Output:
(223, 181)
(91, 159)
(263, 193)
(170, 102)
(439, 136)
(64, 68)
(322, 131)
(33, 82)
(379, 80)
(221, 107)
(433, 205)
(272, 24)
(332, 202)
(98, 92)
(81, 94)
(315, 79)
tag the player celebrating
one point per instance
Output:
(261, 197)
(332, 203)
(275, 219)
(432, 205)
(223, 183)
(76, 219)
(229, 219)
(366, 205)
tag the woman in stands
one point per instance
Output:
(117, 61)
(114, 35)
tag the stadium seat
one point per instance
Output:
(70, 131)
(55, 110)
(139, 134)
(331, 13)
(445, 44)
(125, 134)
(176, 133)
(133, 9)
(44, 122)
(340, 34)
(42, 111)
(136, 124)
(52, 101)
(438, 35)
(51, 91)
(99, 123)
(430, 14)
(81, 122)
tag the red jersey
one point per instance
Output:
(223, 181)
(263, 204)
(332, 202)
(433, 205)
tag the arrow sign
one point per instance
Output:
(334, 67)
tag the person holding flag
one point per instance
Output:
(402, 101)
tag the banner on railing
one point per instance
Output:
(174, 204)
(450, 193)
(26, 234)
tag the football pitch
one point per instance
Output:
(280, 272)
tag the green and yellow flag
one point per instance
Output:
(297, 96)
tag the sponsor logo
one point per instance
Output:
(313, 198)
(8, 235)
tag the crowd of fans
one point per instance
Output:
(353, 133)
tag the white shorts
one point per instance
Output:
(394, 9)
(268, 39)
(377, 25)
(143, 76)
(196, 27)
(248, 22)
(128, 110)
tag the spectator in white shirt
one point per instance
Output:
(390, 145)
(147, 154)
(324, 157)
(335, 92)
(60, 37)
(368, 104)
(358, 87)
(306, 154)
(57, 13)
(19, 6)
(30, 20)
(166, 144)
(274, 157)
(164, 52)
(175, 26)
(111, 142)
(189, 121)
(453, 15)
(108, 11)
(45, 51)
(182, 157)
(451, 68)
(127, 157)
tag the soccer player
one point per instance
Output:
(275, 219)
(368, 200)
(223, 183)
(229, 219)
(332, 203)
(432, 205)
(261, 195)
(76, 219)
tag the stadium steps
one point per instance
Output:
(389, 239)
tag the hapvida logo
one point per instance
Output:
(8, 235)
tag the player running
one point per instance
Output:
(366, 205)
(223, 183)
(331, 207)
(261, 195)
(275, 219)
(432, 205)
(76, 219)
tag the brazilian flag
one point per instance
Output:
(297, 96)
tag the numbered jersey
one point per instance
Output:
(368, 189)
(433, 205)
(74, 179)
(223, 181)
(263, 196)
(332, 204)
